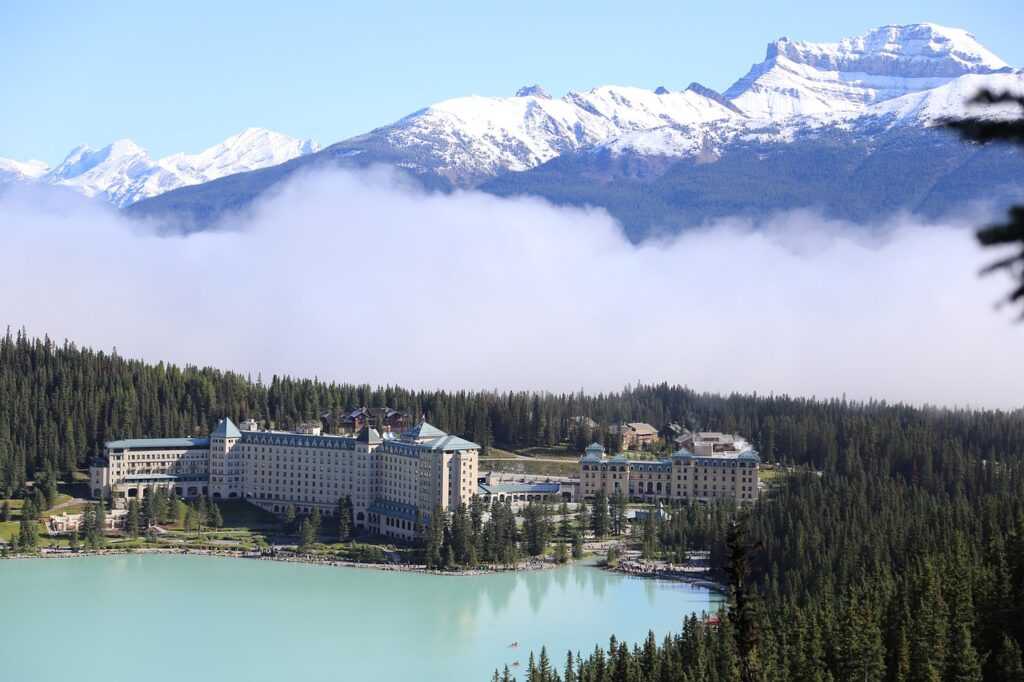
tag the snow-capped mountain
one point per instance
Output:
(470, 139)
(799, 78)
(122, 172)
(18, 171)
(849, 103)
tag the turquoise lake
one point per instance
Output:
(177, 617)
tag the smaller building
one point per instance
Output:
(518, 492)
(635, 434)
(726, 468)
(523, 488)
(707, 443)
(353, 421)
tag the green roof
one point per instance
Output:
(423, 430)
(450, 443)
(226, 429)
(157, 443)
(368, 435)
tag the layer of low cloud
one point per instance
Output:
(357, 277)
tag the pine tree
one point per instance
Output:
(1008, 662)
(344, 516)
(544, 669)
(1010, 233)
(577, 545)
(743, 609)
(307, 533)
(569, 672)
(599, 515)
(28, 538)
(289, 519)
(561, 553)
(5, 511)
(618, 506)
(216, 518)
(582, 516)
(964, 663)
(132, 520)
(435, 538)
(862, 655)
(564, 528)
(189, 522)
(175, 509)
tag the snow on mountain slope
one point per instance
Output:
(890, 76)
(800, 78)
(122, 173)
(470, 138)
(11, 170)
(950, 100)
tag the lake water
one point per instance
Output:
(161, 618)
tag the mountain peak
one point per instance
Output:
(533, 91)
(908, 51)
(798, 77)
(121, 148)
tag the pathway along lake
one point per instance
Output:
(166, 617)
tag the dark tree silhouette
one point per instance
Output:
(1010, 233)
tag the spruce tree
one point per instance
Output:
(582, 516)
(435, 538)
(132, 520)
(1008, 662)
(216, 518)
(289, 519)
(743, 604)
(964, 664)
(599, 515)
(561, 553)
(28, 538)
(564, 529)
(577, 545)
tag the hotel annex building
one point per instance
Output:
(710, 466)
(389, 479)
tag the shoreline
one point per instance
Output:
(634, 570)
(312, 560)
(663, 572)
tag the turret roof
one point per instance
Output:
(226, 429)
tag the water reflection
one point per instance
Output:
(448, 627)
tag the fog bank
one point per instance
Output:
(358, 277)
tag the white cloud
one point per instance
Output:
(360, 278)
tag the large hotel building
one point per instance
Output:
(390, 479)
(710, 466)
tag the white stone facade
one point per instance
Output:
(723, 475)
(391, 481)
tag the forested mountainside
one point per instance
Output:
(893, 550)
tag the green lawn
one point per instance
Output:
(10, 528)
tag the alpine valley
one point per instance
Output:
(848, 129)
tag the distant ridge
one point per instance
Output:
(846, 127)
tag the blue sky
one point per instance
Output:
(180, 76)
